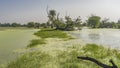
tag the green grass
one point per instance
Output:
(51, 33)
(30, 60)
(68, 58)
(36, 42)
(48, 33)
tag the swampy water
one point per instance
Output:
(106, 37)
(13, 39)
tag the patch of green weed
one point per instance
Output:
(36, 42)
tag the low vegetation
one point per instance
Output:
(68, 58)
(63, 58)
(51, 33)
(48, 33)
(36, 42)
(31, 60)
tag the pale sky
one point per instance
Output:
(23, 11)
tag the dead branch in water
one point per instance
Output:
(99, 63)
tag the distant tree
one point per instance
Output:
(69, 23)
(48, 24)
(44, 25)
(0, 24)
(15, 25)
(78, 22)
(52, 17)
(104, 23)
(5, 25)
(118, 21)
(93, 21)
(30, 24)
(60, 25)
(36, 25)
(114, 25)
(118, 24)
(84, 24)
(24, 25)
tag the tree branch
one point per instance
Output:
(98, 62)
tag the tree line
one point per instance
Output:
(54, 21)
(29, 25)
(67, 23)
(96, 22)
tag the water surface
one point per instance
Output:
(13, 39)
(108, 37)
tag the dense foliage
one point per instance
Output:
(62, 24)
(94, 21)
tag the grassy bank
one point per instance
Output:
(36, 42)
(60, 54)
(68, 58)
(51, 33)
(48, 33)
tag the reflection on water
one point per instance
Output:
(94, 36)
(109, 37)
